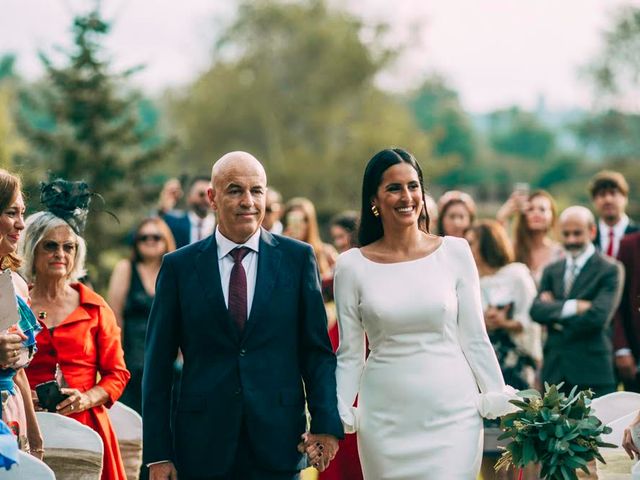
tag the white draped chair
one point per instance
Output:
(613, 406)
(28, 467)
(127, 424)
(616, 410)
(72, 450)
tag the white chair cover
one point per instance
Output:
(28, 467)
(613, 406)
(72, 450)
(127, 424)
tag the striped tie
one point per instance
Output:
(571, 278)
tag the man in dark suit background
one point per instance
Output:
(609, 193)
(194, 223)
(626, 339)
(578, 297)
(245, 308)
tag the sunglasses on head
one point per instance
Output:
(50, 247)
(151, 236)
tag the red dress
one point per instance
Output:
(87, 344)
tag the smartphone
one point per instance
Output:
(296, 224)
(522, 188)
(49, 395)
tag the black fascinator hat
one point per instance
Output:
(68, 201)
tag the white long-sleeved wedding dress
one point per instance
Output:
(431, 372)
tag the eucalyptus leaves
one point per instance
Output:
(556, 431)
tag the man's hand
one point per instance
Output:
(547, 297)
(626, 366)
(320, 449)
(163, 471)
(583, 306)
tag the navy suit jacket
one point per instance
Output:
(180, 227)
(229, 378)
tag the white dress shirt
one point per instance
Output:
(570, 307)
(249, 262)
(618, 232)
(208, 223)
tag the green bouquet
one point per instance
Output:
(556, 431)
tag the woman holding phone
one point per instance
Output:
(81, 339)
(301, 223)
(535, 219)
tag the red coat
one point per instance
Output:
(627, 318)
(87, 344)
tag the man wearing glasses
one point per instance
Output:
(198, 221)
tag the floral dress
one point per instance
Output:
(11, 399)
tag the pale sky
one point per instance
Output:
(496, 53)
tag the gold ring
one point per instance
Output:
(72, 407)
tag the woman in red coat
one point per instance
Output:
(81, 338)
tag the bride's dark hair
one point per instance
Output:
(370, 225)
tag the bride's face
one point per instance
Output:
(399, 196)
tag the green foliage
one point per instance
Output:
(556, 431)
(438, 112)
(515, 132)
(615, 72)
(293, 83)
(82, 125)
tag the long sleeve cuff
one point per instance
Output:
(623, 352)
(349, 416)
(569, 309)
(496, 404)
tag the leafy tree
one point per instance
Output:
(438, 112)
(615, 72)
(10, 142)
(293, 83)
(516, 132)
(84, 125)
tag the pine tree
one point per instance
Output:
(85, 125)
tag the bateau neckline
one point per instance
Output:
(429, 255)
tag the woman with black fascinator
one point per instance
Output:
(80, 339)
(416, 298)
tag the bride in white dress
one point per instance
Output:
(431, 372)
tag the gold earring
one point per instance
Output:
(375, 211)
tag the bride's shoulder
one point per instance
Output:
(350, 257)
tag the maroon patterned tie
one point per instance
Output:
(238, 288)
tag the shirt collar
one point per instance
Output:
(225, 245)
(618, 229)
(581, 259)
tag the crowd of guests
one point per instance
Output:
(560, 295)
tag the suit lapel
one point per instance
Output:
(558, 284)
(209, 275)
(268, 262)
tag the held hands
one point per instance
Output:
(163, 471)
(76, 402)
(320, 449)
